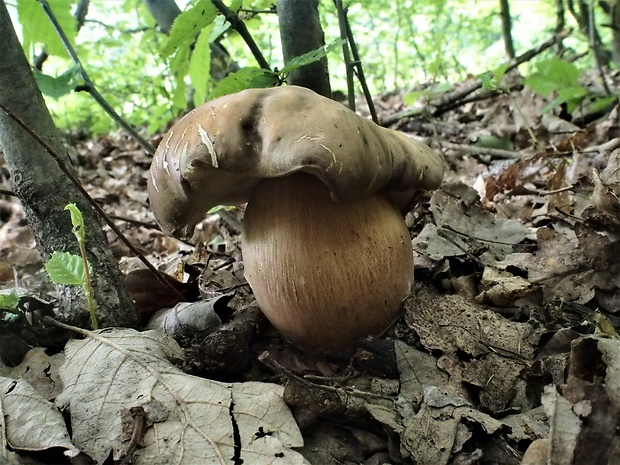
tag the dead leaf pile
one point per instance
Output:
(508, 350)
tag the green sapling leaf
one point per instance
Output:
(77, 220)
(187, 25)
(200, 65)
(245, 78)
(66, 268)
(310, 57)
(9, 300)
(60, 85)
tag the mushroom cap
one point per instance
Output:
(219, 152)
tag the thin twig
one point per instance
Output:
(458, 97)
(87, 196)
(595, 46)
(357, 62)
(345, 54)
(89, 86)
(274, 365)
(441, 103)
(495, 153)
(238, 25)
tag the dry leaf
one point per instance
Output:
(190, 420)
(30, 422)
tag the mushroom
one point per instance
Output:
(325, 247)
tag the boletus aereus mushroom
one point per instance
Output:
(325, 247)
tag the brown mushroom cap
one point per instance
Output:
(218, 153)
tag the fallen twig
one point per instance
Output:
(89, 86)
(86, 195)
(475, 150)
(456, 98)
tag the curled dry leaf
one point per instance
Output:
(187, 317)
(30, 422)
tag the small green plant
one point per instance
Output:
(9, 300)
(558, 77)
(492, 81)
(252, 77)
(70, 269)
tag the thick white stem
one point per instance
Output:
(325, 273)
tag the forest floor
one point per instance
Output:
(507, 343)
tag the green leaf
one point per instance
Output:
(491, 79)
(216, 209)
(245, 78)
(66, 268)
(412, 97)
(200, 65)
(56, 87)
(9, 300)
(603, 102)
(37, 29)
(188, 24)
(551, 75)
(77, 220)
(310, 57)
(540, 84)
(431, 92)
(499, 72)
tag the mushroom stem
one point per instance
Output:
(325, 273)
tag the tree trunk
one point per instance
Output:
(560, 23)
(164, 12)
(588, 28)
(507, 28)
(300, 32)
(44, 190)
(614, 19)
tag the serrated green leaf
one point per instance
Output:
(66, 268)
(9, 300)
(56, 87)
(310, 57)
(188, 24)
(245, 78)
(539, 84)
(179, 63)
(553, 74)
(179, 96)
(235, 5)
(77, 220)
(486, 80)
(37, 29)
(499, 72)
(200, 65)
(412, 97)
(216, 209)
(604, 102)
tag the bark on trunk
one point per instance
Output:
(300, 32)
(44, 190)
(507, 28)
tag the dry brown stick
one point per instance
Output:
(74, 180)
(459, 94)
(89, 86)
(475, 150)
(455, 98)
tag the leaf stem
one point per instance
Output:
(88, 288)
